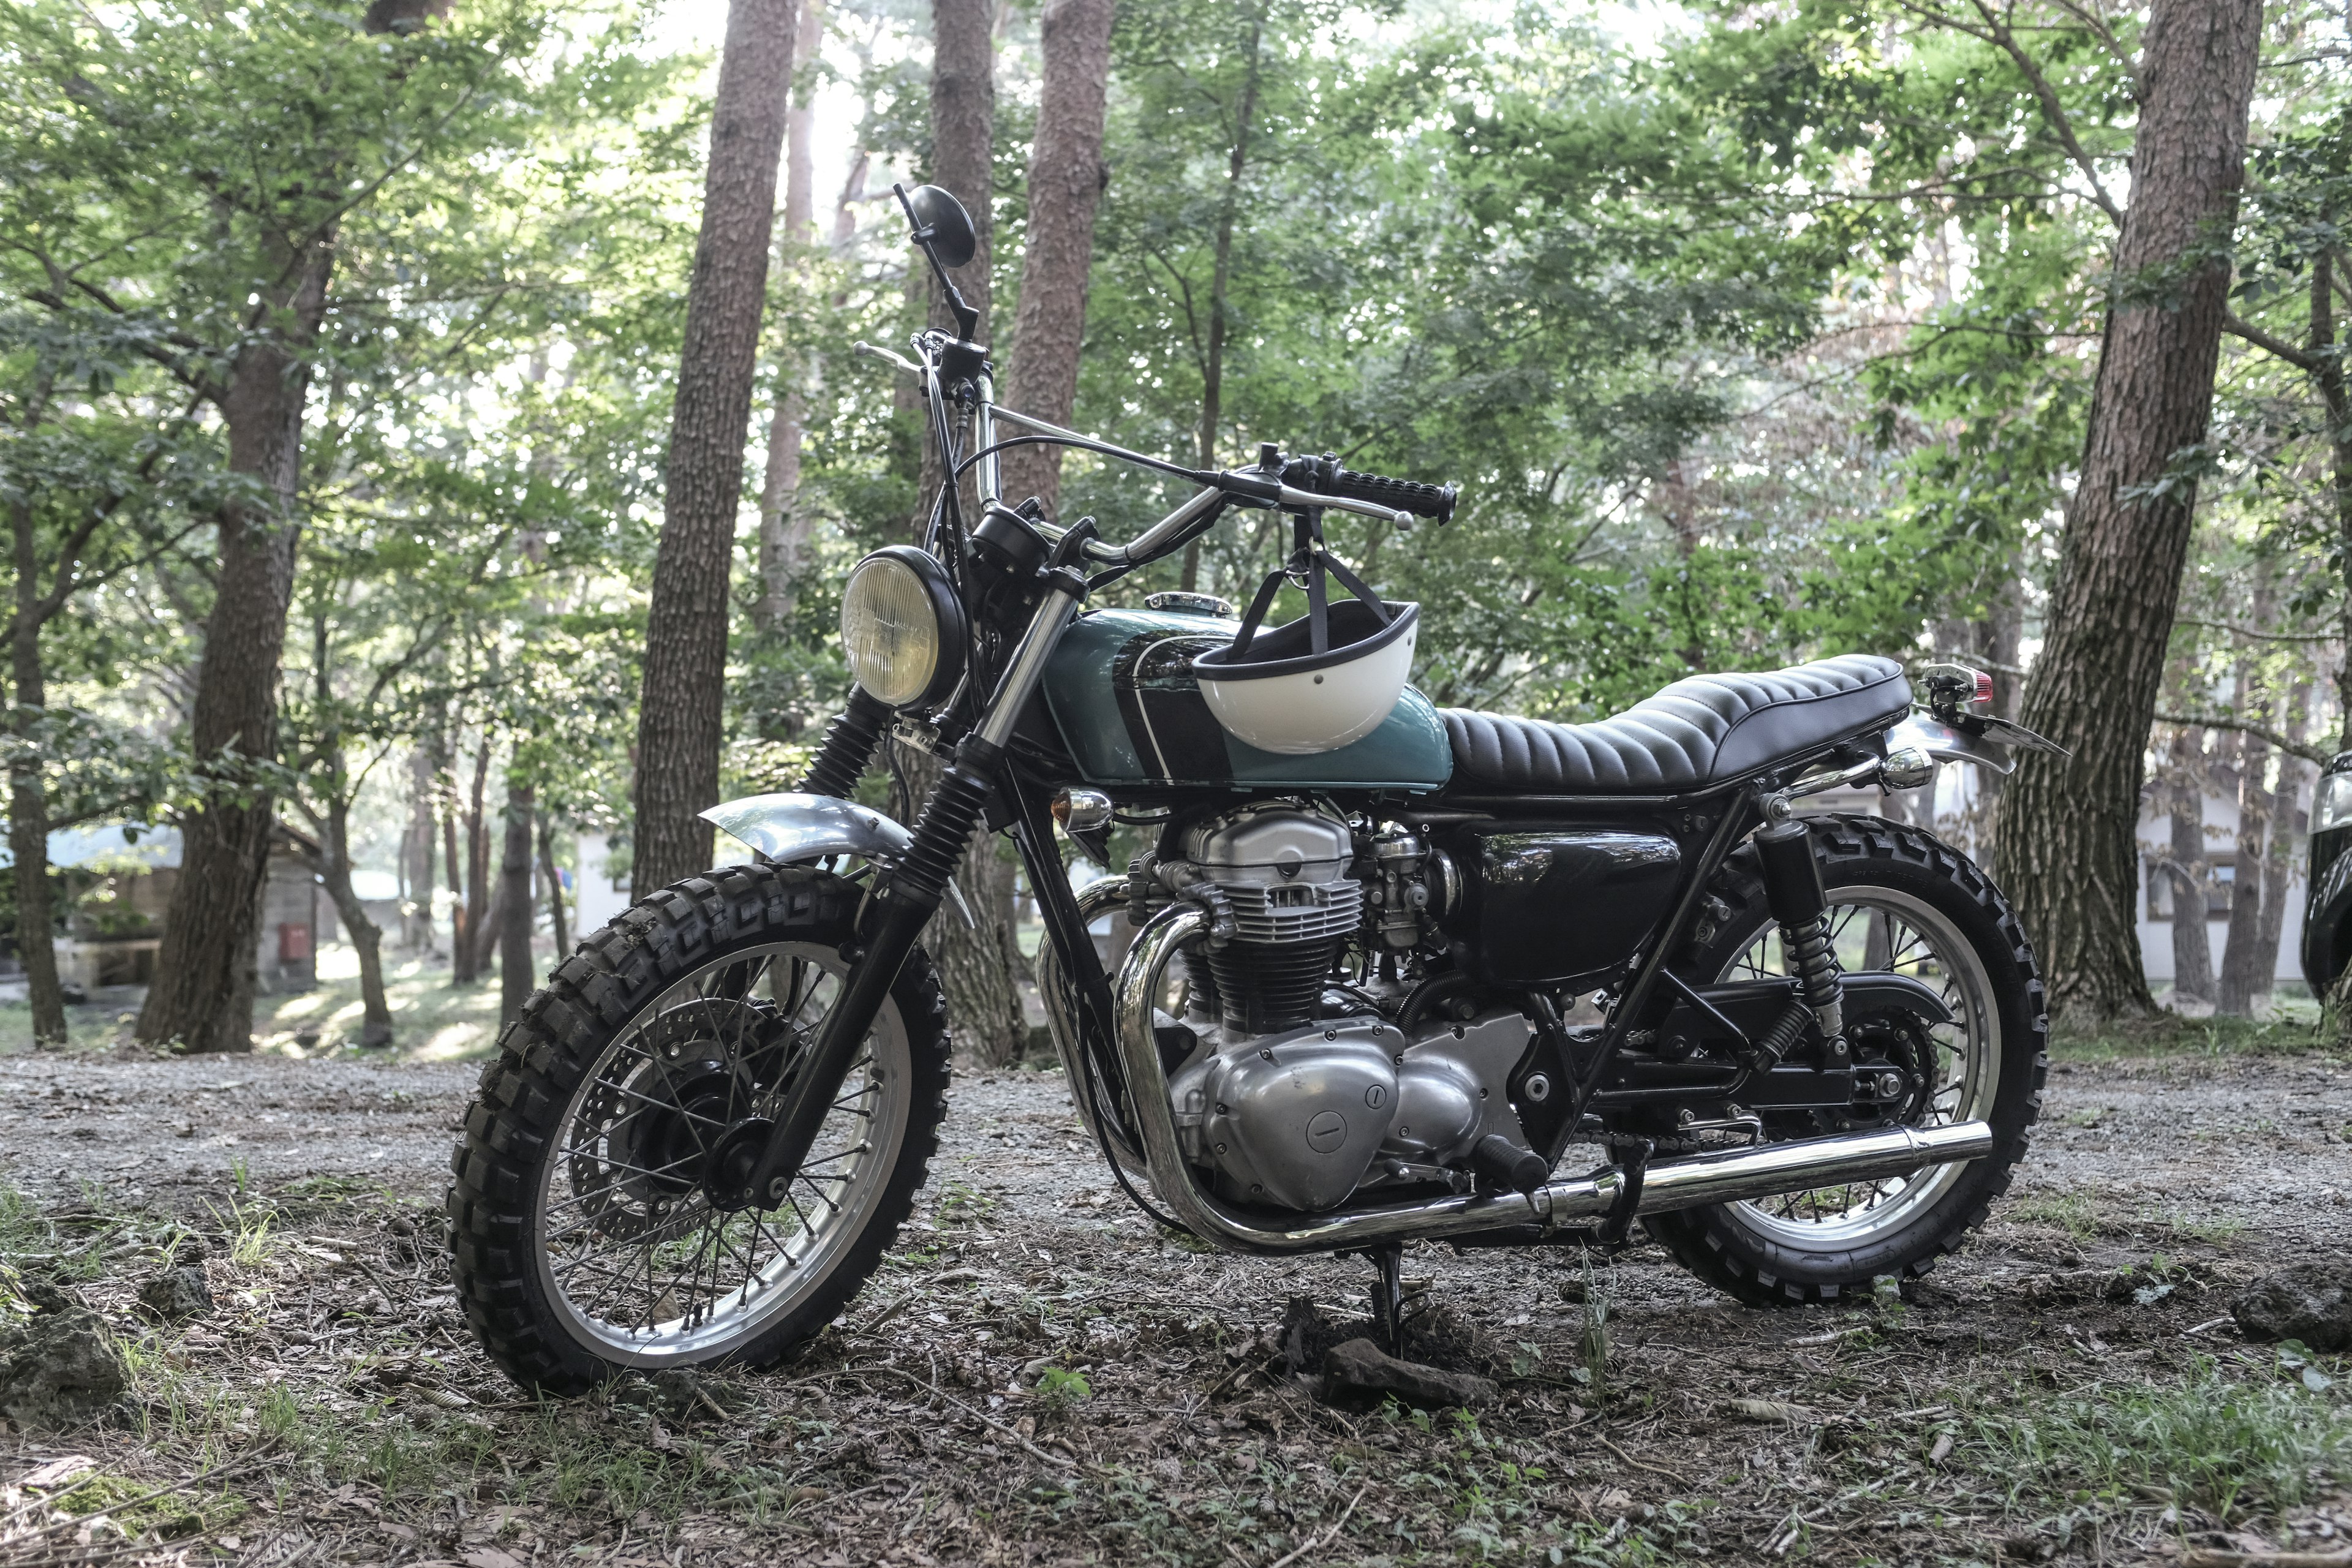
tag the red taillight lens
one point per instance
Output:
(1984, 688)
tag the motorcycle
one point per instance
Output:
(1381, 968)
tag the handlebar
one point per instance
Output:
(1320, 483)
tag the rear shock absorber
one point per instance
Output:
(1792, 888)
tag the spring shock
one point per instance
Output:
(1792, 888)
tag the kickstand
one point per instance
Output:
(1387, 1295)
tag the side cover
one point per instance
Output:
(1120, 687)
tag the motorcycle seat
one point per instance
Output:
(1707, 730)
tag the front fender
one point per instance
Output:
(788, 828)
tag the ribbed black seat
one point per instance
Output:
(1707, 730)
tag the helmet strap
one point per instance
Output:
(1310, 559)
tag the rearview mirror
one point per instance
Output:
(941, 219)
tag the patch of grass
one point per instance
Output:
(2295, 1030)
(2071, 1212)
(2211, 1441)
(2214, 1230)
(174, 1515)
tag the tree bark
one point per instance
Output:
(547, 870)
(2290, 822)
(1212, 359)
(202, 998)
(517, 974)
(979, 969)
(417, 921)
(2067, 852)
(2192, 942)
(28, 798)
(783, 525)
(1067, 178)
(681, 714)
(470, 954)
(458, 930)
(2239, 979)
(334, 870)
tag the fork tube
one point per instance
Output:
(983, 437)
(902, 904)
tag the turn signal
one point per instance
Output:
(1082, 810)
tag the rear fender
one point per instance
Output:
(787, 830)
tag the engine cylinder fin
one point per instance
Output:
(1270, 985)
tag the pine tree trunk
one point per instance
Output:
(367, 938)
(681, 715)
(563, 928)
(517, 974)
(2068, 853)
(979, 968)
(28, 798)
(2192, 940)
(202, 998)
(1212, 360)
(2290, 825)
(470, 953)
(784, 522)
(458, 929)
(1066, 176)
(416, 920)
(2240, 980)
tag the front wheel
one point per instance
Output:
(1900, 899)
(589, 1231)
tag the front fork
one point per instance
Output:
(904, 899)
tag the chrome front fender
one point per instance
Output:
(789, 828)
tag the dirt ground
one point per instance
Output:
(1039, 1376)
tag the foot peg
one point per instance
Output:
(1500, 1162)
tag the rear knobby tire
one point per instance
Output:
(1765, 1260)
(570, 1047)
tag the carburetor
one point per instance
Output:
(1409, 888)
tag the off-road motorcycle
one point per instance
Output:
(1378, 969)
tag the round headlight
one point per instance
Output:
(902, 627)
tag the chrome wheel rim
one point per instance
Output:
(631, 1251)
(1888, 929)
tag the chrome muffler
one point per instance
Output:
(1726, 1177)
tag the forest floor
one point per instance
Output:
(1037, 1376)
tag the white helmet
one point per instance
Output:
(1325, 680)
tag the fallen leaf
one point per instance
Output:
(1942, 1450)
(1778, 1410)
(490, 1557)
(57, 1472)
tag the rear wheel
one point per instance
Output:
(592, 1229)
(1900, 899)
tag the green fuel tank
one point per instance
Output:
(1120, 688)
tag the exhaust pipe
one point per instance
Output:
(1726, 1177)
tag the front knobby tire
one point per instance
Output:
(583, 1240)
(1902, 899)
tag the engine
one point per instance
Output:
(1292, 1087)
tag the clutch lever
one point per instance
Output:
(874, 351)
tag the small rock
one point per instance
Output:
(1359, 1372)
(59, 1370)
(2309, 1302)
(48, 1296)
(177, 1294)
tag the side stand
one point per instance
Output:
(1388, 1296)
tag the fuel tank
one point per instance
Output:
(1119, 687)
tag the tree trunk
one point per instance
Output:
(2192, 940)
(1212, 360)
(202, 998)
(681, 714)
(468, 955)
(493, 927)
(2290, 822)
(458, 929)
(2067, 851)
(979, 968)
(547, 871)
(517, 974)
(783, 524)
(28, 797)
(2338, 397)
(417, 919)
(1066, 176)
(367, 938)
(2240, 980)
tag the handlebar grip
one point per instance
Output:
(1434, 503)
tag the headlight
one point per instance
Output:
(2333, 806)
(902, 627)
